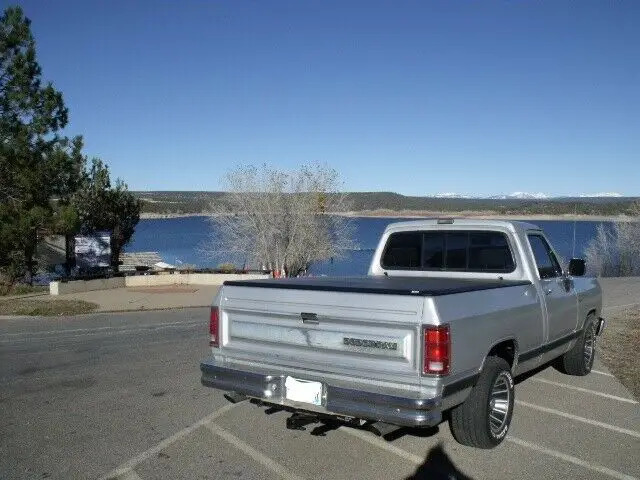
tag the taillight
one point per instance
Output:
(214, 327)
(436, 350)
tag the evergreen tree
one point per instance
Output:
(31, 115)
(101, 206)
(46, 185)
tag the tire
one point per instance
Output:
(478, 422)
(579, 360)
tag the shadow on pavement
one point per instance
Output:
(532, 373)
(438, 466)
(424, 432)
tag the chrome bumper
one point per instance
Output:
(338, 401)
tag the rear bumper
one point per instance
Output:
(396, 410)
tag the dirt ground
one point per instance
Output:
(45, 306)
(619, 347)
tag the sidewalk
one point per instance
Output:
(147, 298)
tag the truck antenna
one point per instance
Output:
(575, 216)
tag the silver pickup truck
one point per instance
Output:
(450, 312)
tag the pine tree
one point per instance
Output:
(31, 115)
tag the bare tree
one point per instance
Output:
(284, 221)
(601, 255)
(628, 240)
(616, 252)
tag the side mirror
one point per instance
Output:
(576, 267)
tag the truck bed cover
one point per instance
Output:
(392, 285)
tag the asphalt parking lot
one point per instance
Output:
(118, 396)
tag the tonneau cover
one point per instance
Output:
(381, 284)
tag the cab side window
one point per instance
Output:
(546, 261)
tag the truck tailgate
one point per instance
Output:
(368, 336)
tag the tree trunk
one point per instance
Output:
(116, 247)
(29, 261)
(29, 253)
(69, 254)
(115, 253)
(115, 257)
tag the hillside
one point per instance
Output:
(174, 202)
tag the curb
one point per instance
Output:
(26, 295)
(154, 309)
(107, 312)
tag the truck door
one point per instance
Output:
(558, 290)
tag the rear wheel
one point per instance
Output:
(579, 360)
(483, 419)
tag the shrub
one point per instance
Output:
(227, 268)
(616, 252)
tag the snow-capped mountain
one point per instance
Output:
(452, 195)
(514, 195)
(521, 196)
(603, 194)
(528, 196)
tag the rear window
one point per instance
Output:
(462, 251)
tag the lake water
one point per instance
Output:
(179, 240)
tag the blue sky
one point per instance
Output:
(417, 97)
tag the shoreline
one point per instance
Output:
(417, 214)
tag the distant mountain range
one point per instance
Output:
(517, 203)
(528, 196)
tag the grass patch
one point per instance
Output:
(46, 308)
(619, 348)
(21, 289)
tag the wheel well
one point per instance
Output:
(591, 312)
(505, 350)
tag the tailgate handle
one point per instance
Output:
(310, 318)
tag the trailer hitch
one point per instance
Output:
(235, 397)
(298, 421)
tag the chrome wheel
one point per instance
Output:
(589, 345)
(499, 403)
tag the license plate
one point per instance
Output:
(303, 391)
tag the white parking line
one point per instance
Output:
(382, 444)
(251, 452)
(571, 459)
(606, 374)
(132, 463)
(129, 475)
(584, 390)
(576, 418)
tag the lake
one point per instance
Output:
(179, 240)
